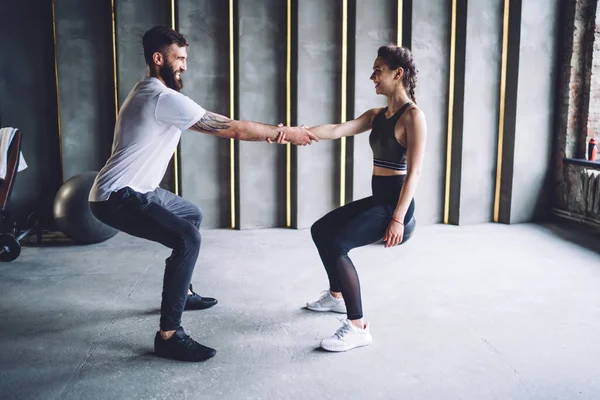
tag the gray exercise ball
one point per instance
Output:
(72, 212)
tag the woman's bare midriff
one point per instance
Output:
(380, 171)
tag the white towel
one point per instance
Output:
(6, 137)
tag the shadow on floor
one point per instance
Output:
(577, 234)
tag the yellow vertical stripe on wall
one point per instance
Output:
(288, 118)
(114, 48)
(400, 16)
(176, 154)
(232, 116)
(60, 142)
(502, 109)
(450, 113)
(343, 100)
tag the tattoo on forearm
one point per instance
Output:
(212, 123)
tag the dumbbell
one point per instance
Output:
(10, 248)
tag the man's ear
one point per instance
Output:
(158, 58)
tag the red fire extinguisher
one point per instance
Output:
(592, 150)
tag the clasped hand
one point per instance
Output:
(298, 135)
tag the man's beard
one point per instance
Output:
(168, 75)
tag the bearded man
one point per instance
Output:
(126, 193)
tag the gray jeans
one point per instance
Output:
(166, 218)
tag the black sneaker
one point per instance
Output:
(181, 347)
(196, 302)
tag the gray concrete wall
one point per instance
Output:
(431, 49)
(205, 159)
(318, 102)
(481, 110)
(375, 27)
(133, 18)
(28, 102)
(261, 75)
(535, 106)
(85, 69)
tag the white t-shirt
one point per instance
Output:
(146, 135)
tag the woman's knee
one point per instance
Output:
(317, 231)
(339, 247)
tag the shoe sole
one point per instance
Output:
(320, 309)
(345, 349)
(200, 308)
(170, 357)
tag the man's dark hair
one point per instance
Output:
(158, 38)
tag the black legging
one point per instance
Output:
(357, 224)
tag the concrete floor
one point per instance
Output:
(477, 312)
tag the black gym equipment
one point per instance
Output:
(10, 243)
(10, 246)
(72, 212)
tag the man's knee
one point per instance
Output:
(196, 238)
(190, 237)
(198, 215)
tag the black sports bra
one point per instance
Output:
(387, 152)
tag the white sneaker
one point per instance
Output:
(327, 303)
(347, 338)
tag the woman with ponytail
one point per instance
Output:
(397, 138)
